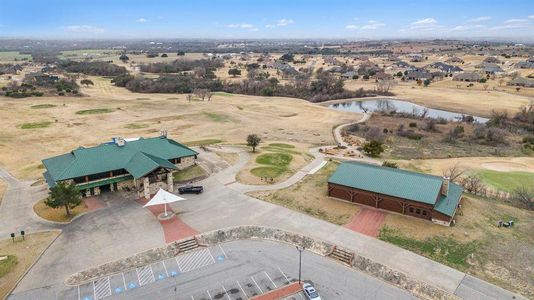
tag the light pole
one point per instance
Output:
(300, 249)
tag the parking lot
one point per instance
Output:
(244, 287)
(235, 271)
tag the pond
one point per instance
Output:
(391, 105)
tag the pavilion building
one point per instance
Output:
(142, 164)
(409, 193)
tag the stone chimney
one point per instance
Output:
(445, 186)
(119, 141)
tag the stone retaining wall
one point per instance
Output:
(420, 289)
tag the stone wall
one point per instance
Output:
(420, 289)
(186, 162)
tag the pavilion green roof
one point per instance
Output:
(423, 188)
(138, 157)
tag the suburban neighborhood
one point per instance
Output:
(267, 150)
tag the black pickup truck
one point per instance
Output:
(191, 189)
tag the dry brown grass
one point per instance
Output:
(226, 117)
(230, 158)
(57, 214)
(26, 252)
(438, 166)
(310, 196)
(504, 255)
(3, 188)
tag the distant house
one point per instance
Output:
(520, 81)
(455, 60)
(418, 75)
(404, 65)
(492, 59)
(349, 75)
(527, 64)
(414, 194)
(492, 69)
(382, 76)
(415, 57)
(142, 165)
(368, 68)
(444, 67)
(334, 69)
(467, 77)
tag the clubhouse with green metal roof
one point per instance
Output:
(141, 164)
(419, 195)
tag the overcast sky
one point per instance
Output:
(98, 19)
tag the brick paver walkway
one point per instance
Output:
(368, 221)
(174, 228)
(94, 203)
(280, 293)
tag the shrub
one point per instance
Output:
(373, 148)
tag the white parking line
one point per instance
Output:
(212, 258)
(270, 279)
(226, 292)
(242, 289)
(301, 297)
(145, 275)
(259, 288)
(224, 253)
(165, 267)
(102, 288)
(124, 281)
(79, 292)
(284, 275)
(179, 268)
(192, 298)
(209, 294)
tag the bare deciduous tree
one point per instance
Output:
(454, 172)
(384, 85)
(525, 195)
(472, 184)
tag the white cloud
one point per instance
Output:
(478, 19)
(142, 20)
(468, 27)
(370, 25)
(531, 17)
(424, 22)
(243, 26)
(84, 29)
(513, 24)
(284, 22)
(280, 23)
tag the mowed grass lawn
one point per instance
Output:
(57, 214)
(309, 196)
(189, 173)
(95, 111)
(35, 125)
(274, 164)
(506, 181)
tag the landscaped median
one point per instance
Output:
(360, 263)
(58, 214)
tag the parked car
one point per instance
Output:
(310, 292)
(191, 189)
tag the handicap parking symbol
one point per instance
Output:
(174, 273)
(161, 276)
(87, 298)
(220, 258)
(132, 285)
(118, 290)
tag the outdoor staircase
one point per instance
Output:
(187, 245)
(342, 256)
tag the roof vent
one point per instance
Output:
(119, 141)
(163, 133)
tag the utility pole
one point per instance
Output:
(300, 249)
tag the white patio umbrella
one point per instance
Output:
(163, 197)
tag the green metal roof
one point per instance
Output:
(447, 205)
(109, 156)
(142, 163)
(413, 186)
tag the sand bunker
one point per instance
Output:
(504, 166)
